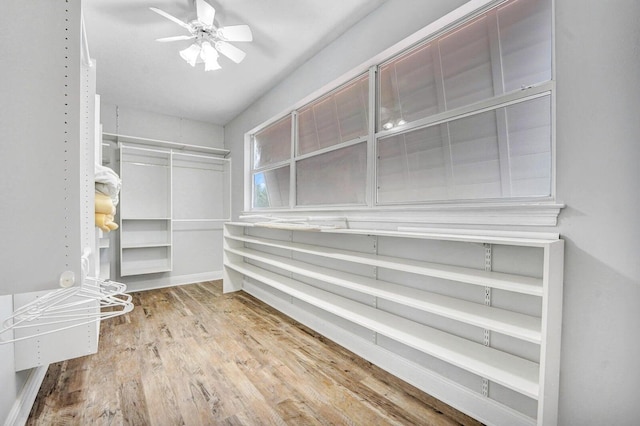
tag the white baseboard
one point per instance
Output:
(155, 283)
(24, 401)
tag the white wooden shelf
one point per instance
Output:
(510, 371)
(503, 238)
(144, 245)
(514, 324)
(146, 218)
(165, 144)
(429, 307)
(144, 269)
(169, 189)
(515, 283)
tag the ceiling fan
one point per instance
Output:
(208, 38)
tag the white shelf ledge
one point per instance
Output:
(508, 370)
(165, 144)
(140, 270)
(501, 237)
(144, 245)
(497, 280)
(147, 218)
(510, 323)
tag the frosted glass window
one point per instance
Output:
(339, 117)
(476, 157)
(452, 123)
(475, 160)
(466, 64)
(271, 188)
(408, 88)
(497, 52)
(525, 42)
(336, 177)
(412, 166)
(272, 144)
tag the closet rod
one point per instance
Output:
(160, 151)
(155, 142)
(202, 220)
(208, 157)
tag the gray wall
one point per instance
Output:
(133, 122)
(598, 99)
(598, 73)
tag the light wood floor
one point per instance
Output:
(190, 355)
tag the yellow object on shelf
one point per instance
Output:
(105, 212)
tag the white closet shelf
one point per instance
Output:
(144, 245)
(510, 323)
(508, 370)
(497, 280)
(165, 144)
(147, 218)
(144, 268)
(515, 240)
(201, 220)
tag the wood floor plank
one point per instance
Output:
(191, 355)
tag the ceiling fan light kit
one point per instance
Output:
(208, 39)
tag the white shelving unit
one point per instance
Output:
(174, 201)
(145, 212)
(424, 299)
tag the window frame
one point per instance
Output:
(511, 210)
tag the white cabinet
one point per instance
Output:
(473, 320)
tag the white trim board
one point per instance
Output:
(155, 283)
(25, 399)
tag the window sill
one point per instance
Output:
(494, 214)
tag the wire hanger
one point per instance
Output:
(72, 304)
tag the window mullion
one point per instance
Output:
(371, 184)
(448, 160)
(292, 161)
(501, 113)
(442, 107)
(438, 76)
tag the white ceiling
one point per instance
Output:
(135, 71)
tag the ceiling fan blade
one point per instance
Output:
(230, 51)
(236, 33)
(206, 12)
(175, 38)
(171, 18)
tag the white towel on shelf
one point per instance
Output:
(108, 182)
